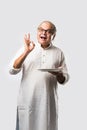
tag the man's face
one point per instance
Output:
(44, 34)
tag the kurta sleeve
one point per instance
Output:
(12, 70)
(63, 68)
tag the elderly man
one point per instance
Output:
(43, 67)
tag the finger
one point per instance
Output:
(32, 44)
(25, 37)
(28, 36)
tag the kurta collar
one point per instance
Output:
(47, 47)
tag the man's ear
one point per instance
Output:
(53, 36)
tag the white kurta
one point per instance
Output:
(37, 100)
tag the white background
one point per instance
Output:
(18, 17)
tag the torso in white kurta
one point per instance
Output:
(37, 99)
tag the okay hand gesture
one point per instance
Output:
(29, 45)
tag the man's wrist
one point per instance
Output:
(26, 53)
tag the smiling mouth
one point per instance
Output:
(43, 37)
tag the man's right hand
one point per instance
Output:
(29, 45)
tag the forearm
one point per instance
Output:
(19, 61)
(59, 76)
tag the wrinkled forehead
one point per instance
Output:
(45, 25)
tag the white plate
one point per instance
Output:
(50, 70)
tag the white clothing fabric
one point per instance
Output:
(38, 100)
